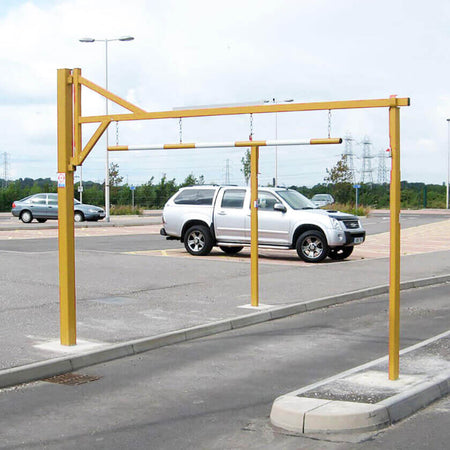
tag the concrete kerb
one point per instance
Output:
(404, 404)
(57, 366)
(305, 415)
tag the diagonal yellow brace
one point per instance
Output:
(80, 156)
(109, 95)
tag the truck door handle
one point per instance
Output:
(221, 213)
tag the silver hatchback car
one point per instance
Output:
(45, 206)
(322, 200)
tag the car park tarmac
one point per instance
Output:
(142, 295)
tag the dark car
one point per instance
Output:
(45, 206)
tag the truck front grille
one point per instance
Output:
(351, 224)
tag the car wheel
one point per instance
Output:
(230, 250)
(42, 220)
(198, 240)
(26, 217)
(339, 253)
(312, 246)
(78, 216)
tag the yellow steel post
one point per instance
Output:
(77, 111)
(254, 225)
(394, 285)
(66, 239)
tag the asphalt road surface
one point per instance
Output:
(216, 392)
(143, 242)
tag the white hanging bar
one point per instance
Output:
(115, 148)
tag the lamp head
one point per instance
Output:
(86, 39)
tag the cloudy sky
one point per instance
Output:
(198, 52)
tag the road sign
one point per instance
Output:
(357, 186)
(61, 179)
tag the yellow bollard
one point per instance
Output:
(394, 274)
(254, 225)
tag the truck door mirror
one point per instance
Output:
(279, 207)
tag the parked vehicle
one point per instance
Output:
(45, 206)
(206, 216)
(322, 199)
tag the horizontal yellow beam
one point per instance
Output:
(253, 109)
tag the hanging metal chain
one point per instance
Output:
(117, 132)
(250, 137)
(329, 123)
(180, 125)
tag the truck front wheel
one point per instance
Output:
(198, 240)
(312, 246)
(339, 253)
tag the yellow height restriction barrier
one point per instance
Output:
(71, 154)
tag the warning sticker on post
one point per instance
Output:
(61, 179)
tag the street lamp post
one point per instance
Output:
(274, 100)
(107, 190)
(448, 161)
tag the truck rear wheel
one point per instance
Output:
(198, 240)
(312, 246)
(231, 250)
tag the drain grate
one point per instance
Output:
(71, 379)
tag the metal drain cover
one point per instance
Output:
(71, 379)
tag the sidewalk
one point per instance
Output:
(149, 217)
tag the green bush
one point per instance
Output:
(350, 209)
(125, 210)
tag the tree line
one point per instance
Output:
(152, 195)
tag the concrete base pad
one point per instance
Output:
(81, 347)
(363, 398)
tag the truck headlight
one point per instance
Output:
(336, 224)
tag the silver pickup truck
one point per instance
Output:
(206, 216)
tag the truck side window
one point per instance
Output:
(267, 201)
(233, 198)
(195, 197)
